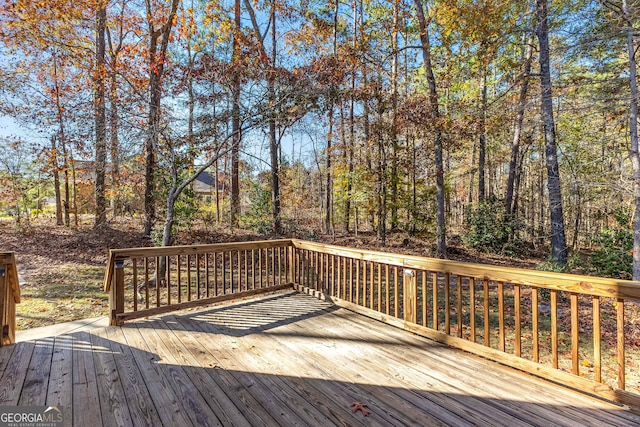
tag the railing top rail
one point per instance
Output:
(161, 251)
(590, 285)
(9, 259)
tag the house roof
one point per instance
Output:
(206, 178)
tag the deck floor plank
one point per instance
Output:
(247, 353)
(15, 373)
(271, 399)
(273, 385)
(195, 405)
(34, 389)
(364, 364)
(245, 402)
(282, 359)
(388, 406)
(60, 390)
(193, 363)
(502, 381)
(458, 379)
(5, 356)
(141, 408)
(86, 405)
(114, 407)
(162, 394)
(322, 395)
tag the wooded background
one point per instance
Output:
(510, 123)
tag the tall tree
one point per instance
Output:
(159, 28)
(558, 239)
(235, 118)
(434, 112)
(517, 129)
(100, 115)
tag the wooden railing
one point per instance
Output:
(9, 297)
(147, 281)
(568, 328)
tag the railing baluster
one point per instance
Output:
(472, 308)
(597, 350)
(198, 281)
(501, 338)
(387, 292)
(396, 292)
(189, 293)
(459, 284)
(146, 282)
(260, 268)
(273, 265)
(575, 335)
(535, 332)
(179, 277)
(379, 287)
(373, 285)
(447, 304)
(554, 328)
(518, 319)
(434, 311)
(158, 280)
(358, 266)
(134, 262)
(425, 300)
(620, 343)
(367, 285)
(486, 313)
(206, 274)
(333, 276)
(245, 254)
(168, 266)
(216, 281)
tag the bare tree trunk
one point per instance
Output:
(67, 195)
(100, 118)
(558, 239)
(352, 127)
(441, 231)
(274, 145)
(328, 219)
(382, 173)
(517, 131)
(56, 180)
(75, 190)
(157, 58)
(394, 118)
(235, 126)
(482, 140)
(114, 143)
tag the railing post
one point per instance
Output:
(410, 290)
(116, 297)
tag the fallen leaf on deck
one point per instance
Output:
(359, 406)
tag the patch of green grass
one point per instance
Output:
(67, 292)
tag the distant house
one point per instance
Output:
(205, 184)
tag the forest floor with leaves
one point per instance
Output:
(62, 268)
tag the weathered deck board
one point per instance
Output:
(36, 382)
(283, 359)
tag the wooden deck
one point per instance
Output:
(283, 359)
